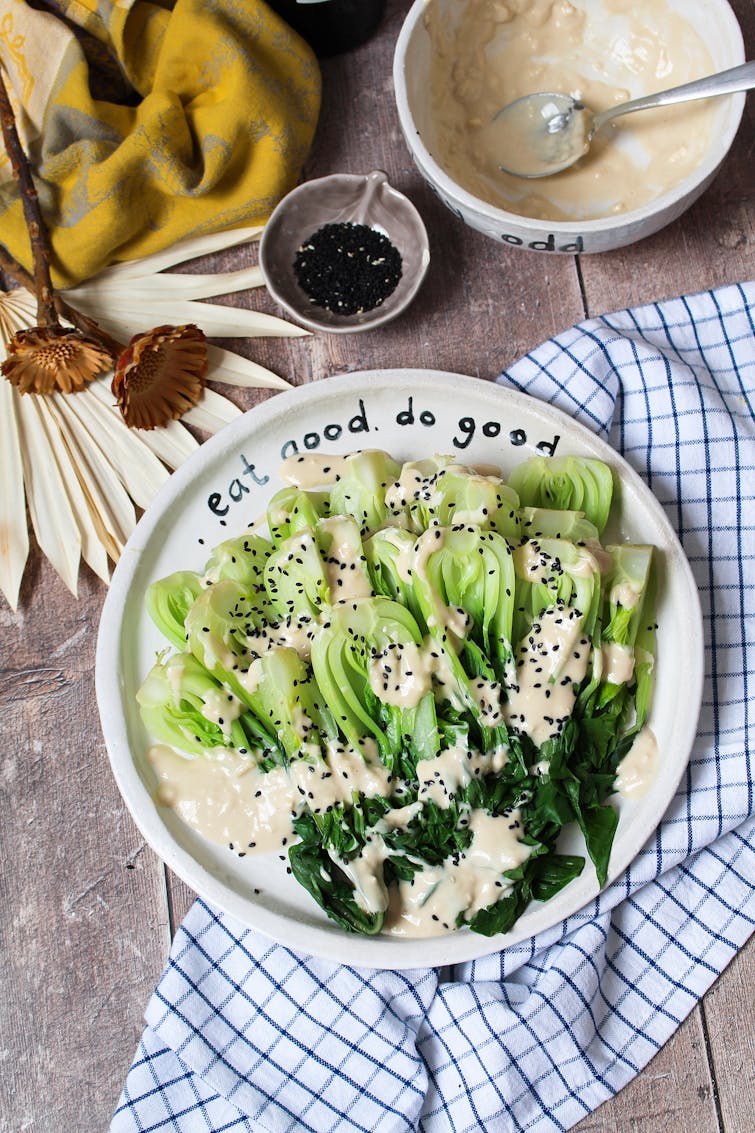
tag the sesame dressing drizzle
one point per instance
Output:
(245, 800)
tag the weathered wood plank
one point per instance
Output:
(180, 899)
(704, 1078)
(673, 1092)
(711, 245)
(729, 1015)
(83, 913)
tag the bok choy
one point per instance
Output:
(436, 669)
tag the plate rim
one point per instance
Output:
(327, 941)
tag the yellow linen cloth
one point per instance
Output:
(221, 104)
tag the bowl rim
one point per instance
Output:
(429, 167)
(380, 315)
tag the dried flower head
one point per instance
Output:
(49, 358)
(160, 375)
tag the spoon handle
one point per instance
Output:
(725, 82)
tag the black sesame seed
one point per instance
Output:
(347, 268)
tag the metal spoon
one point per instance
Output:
(541, 134)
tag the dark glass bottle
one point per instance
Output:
(331, 26)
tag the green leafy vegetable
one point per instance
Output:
(320, 861)
(292, 509)
(566, 483)
(295, 577)
(186, 708)
(285, 698)
(389, 553)
(240, 560)
(626, 586)
(361, 487)
(445, 659)
(552, 523)
(552, 572)
(340, 545)
(469, 570)
(367, 643)
(220, 627)
(461, 495)
(644, 655)
(169, 600)
(410, 498)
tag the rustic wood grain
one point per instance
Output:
(728, 1013)
(86, 911)
(83, 919)
(673, 1092)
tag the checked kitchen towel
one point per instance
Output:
(245, 1036)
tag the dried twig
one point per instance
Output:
(88, 326)
(75, 317)
(11, 266)
(38, 235)
(49, 356)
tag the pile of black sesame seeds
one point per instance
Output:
(347, 268)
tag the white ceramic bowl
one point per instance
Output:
(213, 496)
(713, 20)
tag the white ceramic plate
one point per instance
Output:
(227, 483)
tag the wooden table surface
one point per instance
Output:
(87, 911)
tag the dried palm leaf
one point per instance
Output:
(50, 511)
(169, 285)
(216, 320)
(212, 412)
(14, 537)
(96, 470)
(172, 444)
(234, 370)
(113, 511)
(134, 463)
(92, 550)
(190, 249)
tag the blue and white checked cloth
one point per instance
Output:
(245, 1036)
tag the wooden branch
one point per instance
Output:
(88, 326)
(35, 223)
(64, 309)
(50, 306)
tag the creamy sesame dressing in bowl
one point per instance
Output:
(458, 62)
(371, 692)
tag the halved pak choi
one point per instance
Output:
(425, 671)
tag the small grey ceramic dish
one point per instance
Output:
(343, 198)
